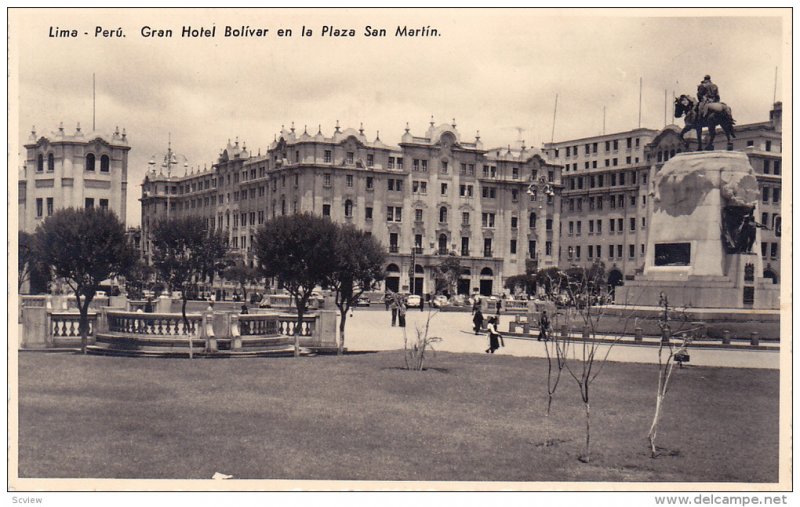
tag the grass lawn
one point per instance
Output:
(471, 417)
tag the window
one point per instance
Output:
(418, 215)
(443, 215)
(611, 224)
(773, 250)
(515, 173)
(393, 248)
(105, 164)
(591, 251)
(768, 146)
(513, 222)
(776, 195)
(487, 247)
(399, 162)
(465, 246)
(578, 228)
(40, 163)
(571, 227)
(326, 210)
(89, 203)
(349, 179)
(633, 200)
(513, 246)
(489, 192)
(487, 220)
(103, 205)
(394, 214)
(90, 162)
(619, 251)
(51, 163)
(444, 188)
(514, 195)
(578, 252)
(465, 218)
(424, 166)
(348, 208)
(633, 224)
(50, 205)
(644, 222)
(391, 162)
(549, 225)
(326, 181)
(369, 183)
(599, 202)
(370, 160)
(776, 167)
(349, 157)
(763, 249)
(631, 251)
(765, 194)
(39, 206)
(465, 191)
(415, 165)
(532, 220)
(548, 248)
(368, 213)
(443, 167)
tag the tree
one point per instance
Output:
(358, 266)
(185, 253)
(84, 247)
(446, 274)
(525, 283)
(552, 279)
(243, 274)
(26, 257)
(298, 250)
(138, 278)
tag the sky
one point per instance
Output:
(496, 71)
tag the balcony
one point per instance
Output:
(464, 252)
(394, 249)
(417, 250)
(487, 253)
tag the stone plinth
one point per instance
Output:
(692, 252)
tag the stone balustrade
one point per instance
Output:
(66, 325)
(160, 324)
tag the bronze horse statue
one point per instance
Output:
(718, 113)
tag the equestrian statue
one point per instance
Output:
(708, 112)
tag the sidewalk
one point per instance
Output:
(370, 330)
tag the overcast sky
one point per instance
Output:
(497, 71)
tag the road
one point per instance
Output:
(370, 330)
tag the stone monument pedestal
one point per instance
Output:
(700, 244)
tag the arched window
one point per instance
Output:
(442, 244)
(105, 163)
(40, 163)
(90, 162)
(348, 208)
(487, 272)
(392, 268)
(419, 270)
(51, 162)
(532, 220)
(443, 215)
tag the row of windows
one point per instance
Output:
(596, 251)
(776, 167)
(599, 180)
(89, 163)
(41, 202)
(591, 148)
(596, 202)
(596, 226)
(767, 190)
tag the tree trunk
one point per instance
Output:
(651, 436)
(83, 322)
(186, 326)
(588, 431)
(298, 326)
(343, 311)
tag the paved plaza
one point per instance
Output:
(370, 330)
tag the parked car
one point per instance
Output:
(363, 301)
(413, 301)
(440, 301)
(459, 300)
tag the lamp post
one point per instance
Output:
(540, 190)
(170, 159)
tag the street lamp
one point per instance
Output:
(540, 190)
(170, 159)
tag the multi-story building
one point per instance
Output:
(426, 198)
(604, 200)
(72, 171)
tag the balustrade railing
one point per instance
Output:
(157, 324)
(258, 325)
(288, 323)
(67, 324)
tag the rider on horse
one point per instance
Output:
(707, 92)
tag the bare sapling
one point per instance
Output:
(414, 348)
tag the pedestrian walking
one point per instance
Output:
(498, 306)
(495, 338)
(401, 313)
(477, 320)
(393, 307)
(544, 326)
(421, 303)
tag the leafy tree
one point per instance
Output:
(525, 282)
(138, 278)
(359, 260)
(185, 252)
(552, 279)
(446, 274)
(84, 247)
(299, 251)
(25, 258)
(242, 273)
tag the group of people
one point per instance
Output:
(492, 325)
(397, 304)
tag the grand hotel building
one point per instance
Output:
(429, 197)
(439, 194)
